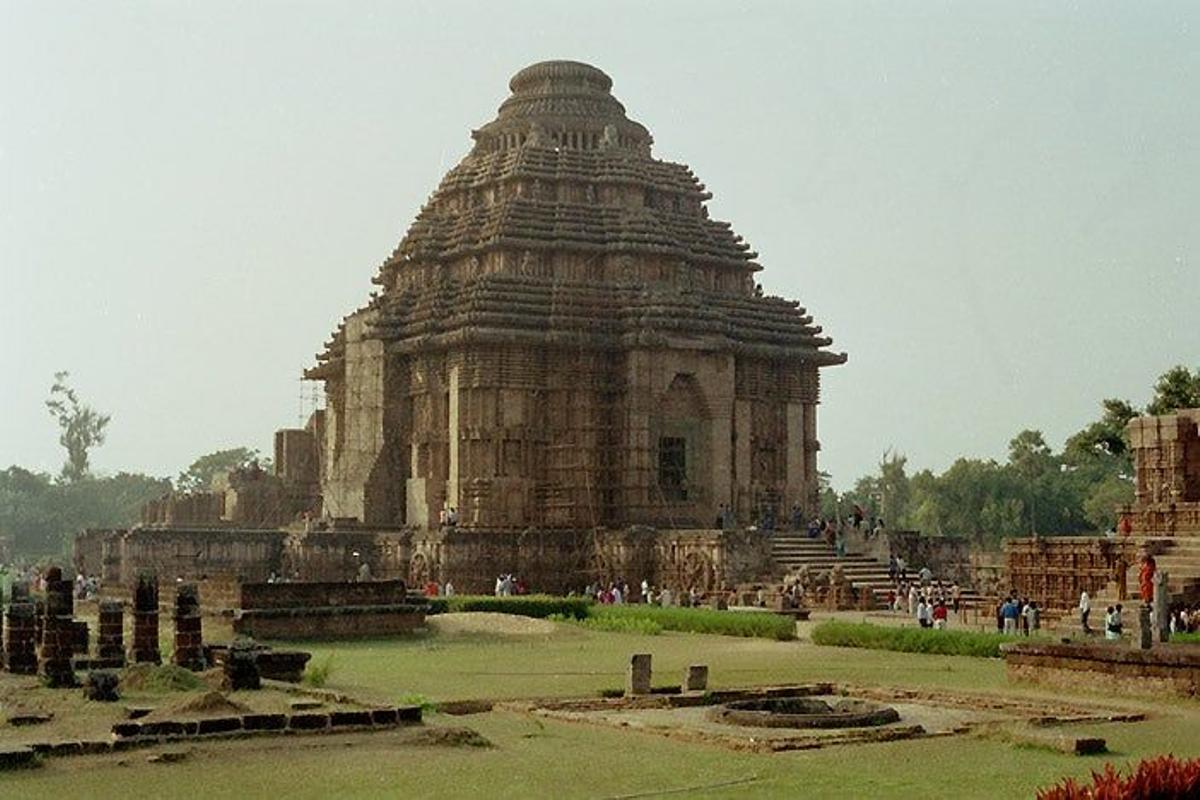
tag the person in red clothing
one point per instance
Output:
(939, 615)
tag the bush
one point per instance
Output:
(696, 620)
(909, 640)
(1162, 778)
(539, 606)
(614, 624)
(156, 678)
(317, 675)
(1186, 638)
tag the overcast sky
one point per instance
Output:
(992, 207)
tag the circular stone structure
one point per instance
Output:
(804, 712)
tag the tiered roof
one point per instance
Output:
(562, 169)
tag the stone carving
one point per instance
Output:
(609, 140)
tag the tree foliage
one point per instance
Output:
(81, 426)
(199, 476)
(42, 515)
(1176, 388)
(1076, 491)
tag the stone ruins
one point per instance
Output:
(1163, 522)
(567, 371)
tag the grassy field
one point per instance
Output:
(535, 758)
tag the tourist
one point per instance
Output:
(364, 572)
(1111, 631)
(878, 529)
(452, 517)
(1026, 616)
(956, 596)
(617, 599)
(797, 518)
(912, 599)
(499, 585)
(719, 523)
(448, 589)
(1085, 608)
(1011, 611)
(840, 543)
(926, 575)
(694, 597)
(1117, 618)
(902, 568)
(815, 526)
(940, 615)
(924, 613)
(893, 570)
(645, 590)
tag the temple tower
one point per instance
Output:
(565, 339)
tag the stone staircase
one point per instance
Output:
(791, 550)
(1179, 557)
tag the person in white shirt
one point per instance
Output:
(1085, 608)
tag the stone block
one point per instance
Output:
(15, 757)
(216, 725)
(408, 715)
(695, 679)
(264, 722)
(384, 716)
(638, 679)
(339, 719)
(308, 722)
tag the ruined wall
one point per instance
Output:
(1166, 460)
(947, 557)
(1054, 571)
(322, 593)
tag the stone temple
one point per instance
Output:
(567, 351)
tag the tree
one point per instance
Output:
(199, 476)
(82, 426)
(1104, 437)
(1031, 460)
(1100, 507)
(1176, 388)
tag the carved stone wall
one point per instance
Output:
(1054, 571)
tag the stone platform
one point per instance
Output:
(1172, 669)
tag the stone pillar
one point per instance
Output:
(58, 632)
(189, 651)
(20, 639)
(1145, 628)
(110, 640)
(145, 621)
(1162, 605)
(638, 680)
(696, 678)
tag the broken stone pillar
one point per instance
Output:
(101, 686)
(20, 639)
(110, 639)
(58, 632)
(1145, 628)
(189, 644)
(241, 666)
(1162, 606)
(696, 678)
(638, 680)
(145, 621)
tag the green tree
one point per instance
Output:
(1100, 506)
(1031, 461)
(199, 476)
(1176, 388)
(82, 427)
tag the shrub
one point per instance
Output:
(1186, 638)
(617, 624)
(1162, 778)
(318, 674)
(156, 678)
(539, 606)
(697, 620)
(909, 640)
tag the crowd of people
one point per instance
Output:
(925, 600)
(1018, 615)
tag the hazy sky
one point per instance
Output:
(992, 207)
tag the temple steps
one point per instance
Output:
(793, 550)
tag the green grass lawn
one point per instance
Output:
(535, 758)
